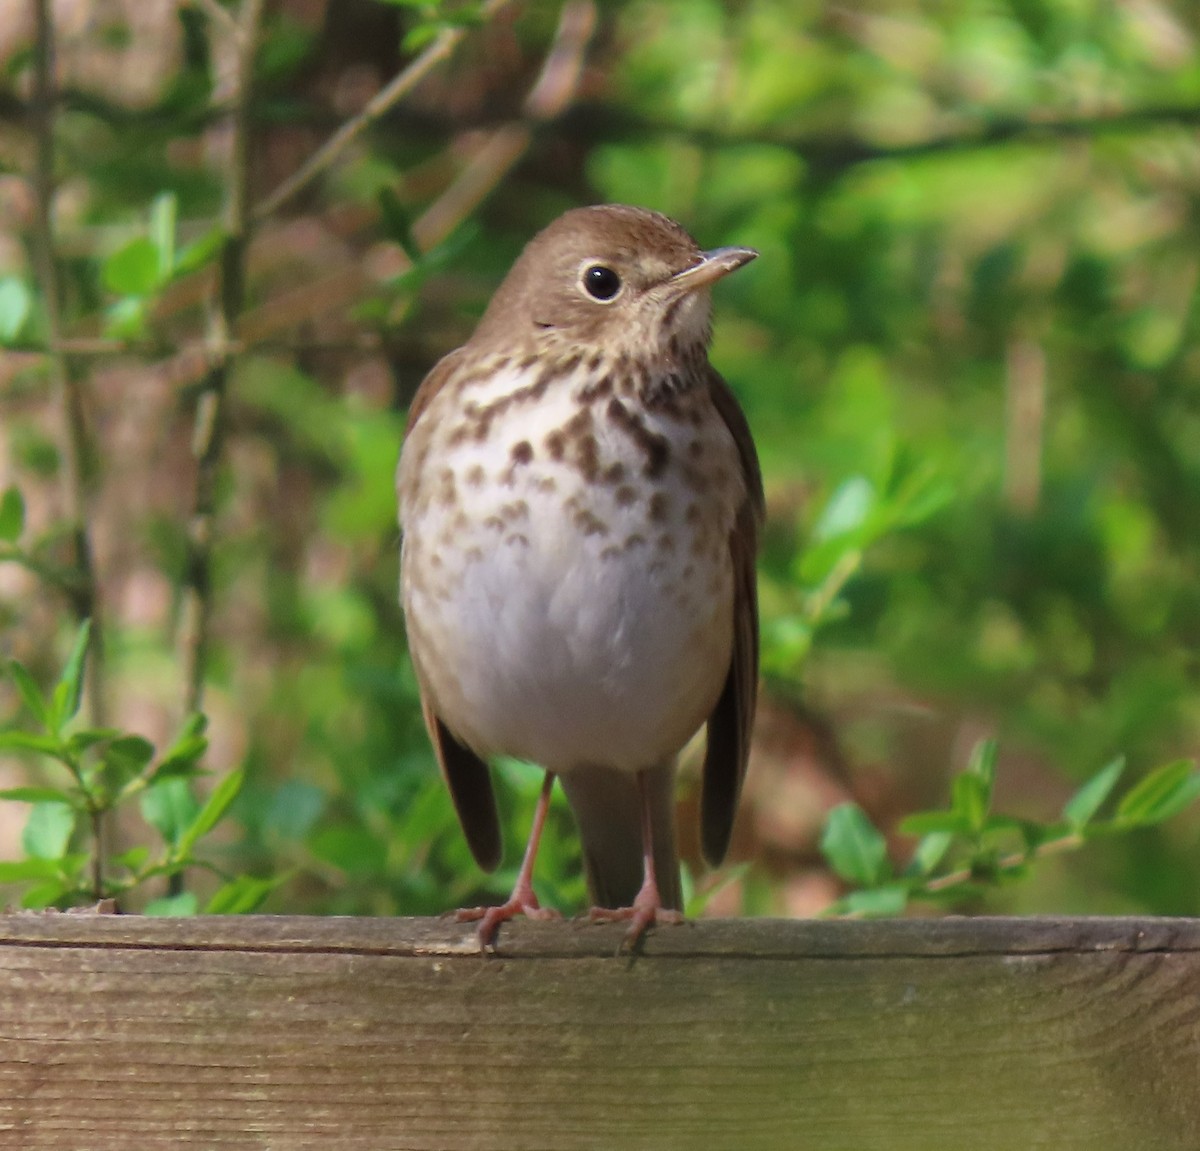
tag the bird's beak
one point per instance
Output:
(712, 267)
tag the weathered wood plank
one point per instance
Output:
(289, 1033)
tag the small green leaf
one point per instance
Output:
(932, 822)
(128, 755)
(929, 852)
(199, 252)
(27, 741)
(969, 800)
(983, 764)
(854, 847)
(23, 870)
(241, 896)
(132, 859)
(48, 830)
(31, 694)
(1081, 808)
(16, 302)
(12, 515)
(35, 795)
(173, 905)
(213, 810)
(163, 214)
(1165, 792)
(68, 692)
(847, 509)
(133, 269)
(169, 807)
(877, 903)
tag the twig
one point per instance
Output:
(552, 92)
(72, 426)
(323, 159)
(219, 16)
(207, 438)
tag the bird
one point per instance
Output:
(580, 502)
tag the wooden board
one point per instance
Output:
(279, 1033)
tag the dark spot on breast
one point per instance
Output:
(659, 506)
(695, 449)
(589, 524)
(494, 524)
(556, 445)
(517, 510)
(653, 446)
(522, 453)
(614, 473)
(596, 360)
(588, 457)
(626, 495)
(597, 390)
(475, 476)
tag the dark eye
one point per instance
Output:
(601, 283)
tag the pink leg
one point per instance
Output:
(522, 901)
(647, 908)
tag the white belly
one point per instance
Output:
(567, 620)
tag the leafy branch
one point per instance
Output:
(105, 769)
(967, 849)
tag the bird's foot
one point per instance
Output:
(522, 902)
(645, 912)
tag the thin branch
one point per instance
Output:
(207, 438)
(72, 432)
(551, 94)
(404, 82)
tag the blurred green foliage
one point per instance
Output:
(968, 352)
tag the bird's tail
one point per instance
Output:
(608, 811)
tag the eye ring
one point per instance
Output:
(601, 283)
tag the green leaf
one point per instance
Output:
(27, 741)
(133, 269)
(1081, 808)
(983, 762)
(1165, 792)
(199, 252)
(12, 515)
(35, 795)
(23, 870)
(241, 896)
(854, 847)
(48, 830)
(969, 800)
(878, 903)
(16, 302)
(932, 822)
(128, 755)
(169, 807)
(31, 694)
(182, 758)
(68, 692)
(212, 812)
(173, 905)
(847, 509)
(929, 852)
(163, 214)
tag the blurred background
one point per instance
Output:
(969, 353)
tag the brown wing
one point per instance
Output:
(431, 385)
(733, 717)
(466, 775)
(470, 784)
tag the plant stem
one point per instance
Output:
(72, 435)
(208, 429)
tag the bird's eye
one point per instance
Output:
(601, 283)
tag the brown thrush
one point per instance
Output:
(580, 499)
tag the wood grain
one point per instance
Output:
(282, 1033)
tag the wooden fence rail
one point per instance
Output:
(137, 1034)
